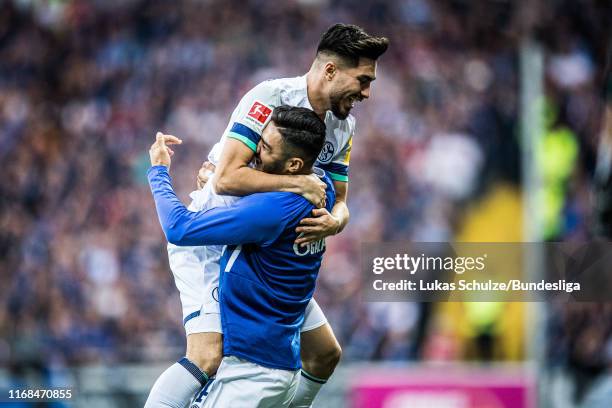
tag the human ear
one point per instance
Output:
(294, 165)
(330, 70)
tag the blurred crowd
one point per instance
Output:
(84, 86)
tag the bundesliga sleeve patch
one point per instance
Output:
(259, 112)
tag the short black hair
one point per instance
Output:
(351, 42)
(302, 130)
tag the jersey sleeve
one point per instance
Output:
(253, 113)
(338, 168)
(256, 219)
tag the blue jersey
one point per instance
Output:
(266, 281)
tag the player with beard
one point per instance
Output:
(265, 283)
(340, 76)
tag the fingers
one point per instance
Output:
(307, 238)
(318, 212)
(206, 170)
(317, 180)
(208, 166)
(169, 139)
(309, 221)
(308, 229)
(163, 139)
(319, 204)
(200, 182)
(160, 139)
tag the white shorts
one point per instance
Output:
(196, 275)
(242, 384)
(196, 271)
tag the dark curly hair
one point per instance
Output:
(350, 42)
(302, 130)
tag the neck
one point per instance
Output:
(316, 96)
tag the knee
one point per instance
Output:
(333, 356)
(205, 351)
(326, 360)
(206, 360)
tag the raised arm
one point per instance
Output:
(250, 220)
(247, 221)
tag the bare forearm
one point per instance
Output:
(341, 213)
(340, 210)
(245, 180)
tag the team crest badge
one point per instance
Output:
(326, 153)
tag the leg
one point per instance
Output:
(180, 382)
(177, 385)
(196, 275)
(243, 384)
(320, 355)
(205, 350)
(320, 352)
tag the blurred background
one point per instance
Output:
(487, 118)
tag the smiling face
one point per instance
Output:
(270, 156)
(290, 142)
(273, 155)
(349, 85)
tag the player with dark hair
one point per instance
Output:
(353, 54)
(341, 74)
(266, 282)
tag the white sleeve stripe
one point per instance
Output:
(233, 257)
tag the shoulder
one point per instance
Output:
(281, 91)
(278, 85)
(256, 106)
(275, 200)
(277, 207)
(288, 83)
(293, 91)
(280, 199)
(267, 91)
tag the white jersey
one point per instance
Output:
(196, 269)
(255, 109)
